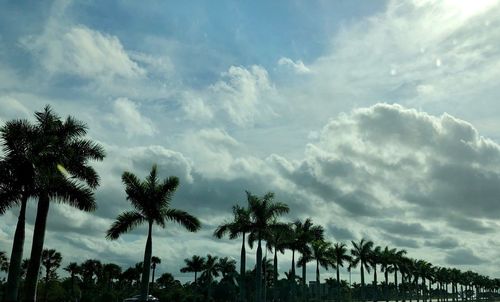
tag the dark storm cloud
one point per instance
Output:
(446, 243)
(470, 225)
(340, 233)
(463, 256)
(404, 228)
(401, 241)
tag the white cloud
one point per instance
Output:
(126, 113)
(83, 52)
(297, 67)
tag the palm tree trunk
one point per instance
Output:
(46, 292)
(396, 284)
(304, 288)
(375, 292)
(386, 275)
(146, 264)
(16, 257)
(362, 283)
(73, 286)
(195, 277)
(317, 280)
(293, 291)
(153, 277)
(403, 287)
(275, 275)
(242, 270)
(338, 283)
(258, 269)
(31, 282)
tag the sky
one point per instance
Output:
(377, 119)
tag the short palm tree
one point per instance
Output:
(73, 269)
(211, 270)
(151, 201)
(340, 256)
(4, 262)
(278, 241)
(194, 265)
(239, 225)
(361, 254)
(154, 262)
(63, 173)
(51, 260)
(263, 213)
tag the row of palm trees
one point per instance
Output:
(259, 222)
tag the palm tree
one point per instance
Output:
(4, 262)
(51, 260)
(63, 173)
(263, 213)
(386, 262)
(340, 255)
(375, 258)
(16, 186)
(154, 262)
(361, 254)
(397, 258)
(240, 225)
(278, 241)
(323, 254)
(110, 272)
(151, 201)
(194, 265)
(210, 270)
(227, 267)
(73, 269)
(305, 233)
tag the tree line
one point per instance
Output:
(50, 161)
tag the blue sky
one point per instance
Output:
(378, 119)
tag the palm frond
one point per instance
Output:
(124, 223)
(183, 218)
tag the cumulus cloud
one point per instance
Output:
(82, 51)
(296, 66)
(126, 114)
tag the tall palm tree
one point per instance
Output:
(151, 201)
(375, 259)
(278, 241)
(340, 256)
(154, 262)
(386, 261)
(63, 173)
(73, 269)
(361, 254)
(17, 184)
(397, 262)
(239, 225)
(51, 260)
(263, 213)
(305, 233)
(323, 254)
(194, 265)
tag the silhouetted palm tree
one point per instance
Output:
(278, 241)
(340, 256)
(397, 263)
(4, 262)
(73, 269)
(63, 174)
(361, 254)
(375, 259)
(51, 260)
(305, 233)
(323, 254)
(154, 262)
(110, 272)
(194, 265)
(211, 270)
(263, 212)
(151, 201)
(17, 184)
(239, 225)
